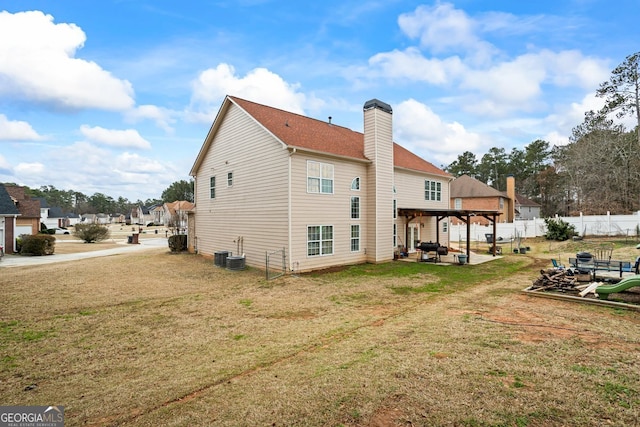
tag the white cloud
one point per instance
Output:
(134, 163)
(422, 131)
(508, 85)
(411, 64)
(481, 79)
(90, 169)
(129, 138)
(572, 68)
(162, 117)
(556, 139)
(5, 166)
(259, 85)
(29, 169)
(442, 28)
(38, 63)
(14, 130)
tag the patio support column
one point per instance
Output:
(468, 238)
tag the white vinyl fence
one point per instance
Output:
(586, 225)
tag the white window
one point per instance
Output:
(319, 177)
(355, 238)
(319, 240)
(395, 209)
(501, 203)
(457, 203)
(212, 187)
(355, 207)
(355, 184)
(395, 235)
(432, 190)
(445, 226)
(229, 179)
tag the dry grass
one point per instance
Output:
(158, 339)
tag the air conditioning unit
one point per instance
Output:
(235, 263)
(220, 258)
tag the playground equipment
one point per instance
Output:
(603, 291)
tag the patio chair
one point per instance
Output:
(556, 264)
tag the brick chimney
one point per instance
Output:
(511, 203)
(378, 147)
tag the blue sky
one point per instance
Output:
(117, 96)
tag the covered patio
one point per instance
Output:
(464, 215)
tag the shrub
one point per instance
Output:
(558, 229)
(178, 243)
(91, 232)
(38, 244)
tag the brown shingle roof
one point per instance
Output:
(523, 201)
(28, 207)
(180, 205)
(299, 131)
(465, 186)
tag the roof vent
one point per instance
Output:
(376, 103)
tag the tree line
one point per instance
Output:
(71, 201)
(597, 172)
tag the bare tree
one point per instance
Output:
(622, 91)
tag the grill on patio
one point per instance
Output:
(426, 247)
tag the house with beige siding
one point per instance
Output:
(267, 179)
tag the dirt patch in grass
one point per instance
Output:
(150, 338)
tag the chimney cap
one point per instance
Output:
(376, 103)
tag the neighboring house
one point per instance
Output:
(73, 219)
(175, 214)
(117, 219)
(267, 179)
(8, 216)
(158, 214)
(29, 220)
(103, 219)
(470, 193)
(57, 218)
(89, 219)
(141, 215)
(527, 208)
(52, 216)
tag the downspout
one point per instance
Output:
(195, 214)
(289, 213)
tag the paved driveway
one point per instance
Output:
(20, 261)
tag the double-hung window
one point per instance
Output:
(355, 207)
(319, 240)
(229, 179)
(432, 190)
(355, 238)
(319, 177)
(212, 187)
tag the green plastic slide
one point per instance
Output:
(603, 291)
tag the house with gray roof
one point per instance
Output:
(8, 215)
